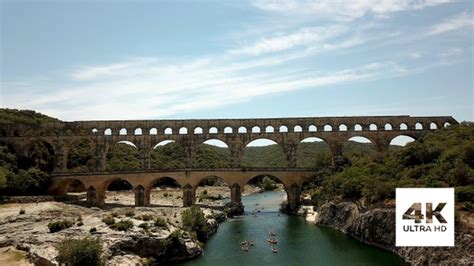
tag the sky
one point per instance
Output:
(104, 60)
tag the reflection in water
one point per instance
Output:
(299, 242)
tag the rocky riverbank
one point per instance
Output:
(376, 226)
(24, 227)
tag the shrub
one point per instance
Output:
(123, 225)
(22, 211)
(146, 217)
(268, 184)
(108, 220)
(130, 213)
(80, 223)
(160, 222)
(92, 230)
(144, 226)
(193, 220)
(59, 225)
(85, 251)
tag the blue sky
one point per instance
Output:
(89, 60)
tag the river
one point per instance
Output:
(299, 242)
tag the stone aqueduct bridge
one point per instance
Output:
(236, 133)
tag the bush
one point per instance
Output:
(80, 223)
(194, 221)
(144, 226)
(123, 225)
(268, 184)
(22, 211)
(28, 182)
(92, 230)
(130, 213)
(59, 225)
(160, 222)
(146, 217)
(86, 251)
(108, 220)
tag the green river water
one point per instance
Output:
(299, 242)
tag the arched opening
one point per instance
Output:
(269, 129)
(168, 131)
(124, 155)
(153, 131)
(81, 156)
(256, 129)
(198, 130)
(342, 127)
(40, 155)
(373, 127)
(123, 132)
(327, 128)
(242, 130)
(312, 128)
(166, 191)
(433, 126)
(297, 128)
(313, 152)
(121, 192)
(183, 131)
(418, 126)
(400, 141)
(168, 154)
(213, 130)
(76, 190)
(108, 132)
(403, 126)
(356, 148)
(211, 191)
(212, 153)
(228, 130)
(447, 125)
(357, 127)
(283, 129)
(388, 127)
(95, 131)
(273, 189)
(263, 153)
(138, 131)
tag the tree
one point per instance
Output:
(193, 220)
(31, 181)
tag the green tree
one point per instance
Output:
(28, 182)
(193, 220)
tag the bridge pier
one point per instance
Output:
(189, 195)
(235, 205)
(141, 196)
(293, 194)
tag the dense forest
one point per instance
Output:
(439, 159)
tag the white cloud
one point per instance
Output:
(461, 21)
(343, 10)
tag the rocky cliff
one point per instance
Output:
(377, 227)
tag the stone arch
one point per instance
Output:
(168, 131)
(401, 140)
(164, 190)
(433, 126)
(108, 132)
(123, 132)
(358, 146)
(183, 131)
(255, 179)
(95, 131)
(327, 127)
(256, 129)
(123, 155)
(388, 127)
(81, 156)
(138, 131)
(242, 130)
(313, 152)
(403, 126)
(153, 131)
(418, 126)
(228, 130)
(297, 128)
(252, 148)
(114, 187)
(213, 130)
(212, 153)
(269, 129)
(283, 129)
(40, 153)
(74, 185)
(198, 130)
(312, 128)
(168, 154)
(358, 127)
(342, 127)
(447, 125)
(373, 127)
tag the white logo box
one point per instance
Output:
(435, 234)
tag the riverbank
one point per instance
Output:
(376, 226)
(24, 231)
